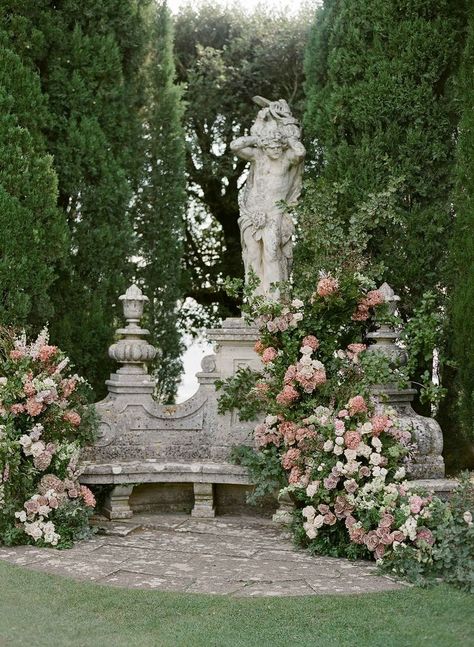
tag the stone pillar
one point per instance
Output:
(203, 501)
(116, 505)
(428, 462)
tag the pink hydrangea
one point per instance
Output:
(17, 353)
(374, 298)
(28, 389)
(289, 458)
(343, 413)
(380, 424)
(33, 407)
(87, 496)
(262, 388)
(352, 439)
(353, 351)
(361, 313)
(288, 395)
(72, 417)
(311, 341)
(269, 354)
(295, 475)
(357, 405)
(47, 352)
(326, 286)
(309, 383)
(16, 409)
(416, 504)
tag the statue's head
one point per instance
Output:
(274, 144)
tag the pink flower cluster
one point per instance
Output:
(356, 405)
(327, 286)
(266, 435)
(371, 299)
(269, 354)
(287, 395)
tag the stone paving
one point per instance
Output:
(233, 556)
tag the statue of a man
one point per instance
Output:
(276, 156)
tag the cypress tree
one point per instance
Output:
(32, 230)
(89, 56)
(161, 203)
(461, 306)
(380, 122)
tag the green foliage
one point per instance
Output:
(461, 306)
(238, 392)
(32, 230)
(88, 57)
(160, 204)
(380, 123)
(226, 56)
(452, 557)
(264, 469)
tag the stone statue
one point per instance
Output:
(276, 156)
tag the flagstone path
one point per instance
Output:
(234, 556)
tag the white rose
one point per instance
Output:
(363, 450)
(311, 531)
(21, 516)
(308, 512)
(306, 360)
(312, 488)
(37, 448)
(3, 381)
(376, 443)
(306, 350)
(366, 428)
(338, 450)
(44, 510)
(318, 521)
(297, 303)
(298, 316)
(317, 365)
(339, 440)
(350, 454)
(375, 458)
(467, 516)
(399, 474)
(328, 446)
(34, 530)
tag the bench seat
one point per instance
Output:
(123, 475)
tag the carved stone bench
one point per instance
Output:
(124, 475)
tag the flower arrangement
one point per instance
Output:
(44, 422)
(339, 450)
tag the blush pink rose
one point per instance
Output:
(311, 341)
(356, 535)
(416, 504)
(290, 374)
(371, 540)
(269, 354)
(288, 395)
(425, 534)
(379, 551)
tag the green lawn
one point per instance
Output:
(41, 610)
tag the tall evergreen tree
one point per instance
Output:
(33, 233)
(89, 57)
(161, 203)
(461, 305)
(380, 122)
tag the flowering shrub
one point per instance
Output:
(339, 449)
(44, 421)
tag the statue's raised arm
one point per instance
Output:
(276, 156)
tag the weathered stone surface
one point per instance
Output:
(276, 156)
(236, 556)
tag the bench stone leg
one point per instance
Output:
(203, 501)
(116, 505)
